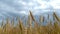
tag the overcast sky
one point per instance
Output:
(23, 6)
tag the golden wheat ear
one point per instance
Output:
(55, 16)
(32, 16)
(35, 23)
(21, 26)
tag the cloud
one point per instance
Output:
(23, 6)
(6, 7)
(23, 12)
(22, 2)
(55, 4)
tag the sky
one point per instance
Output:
(22, 7)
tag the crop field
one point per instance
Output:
(29, 28)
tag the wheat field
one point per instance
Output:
(29, 28)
